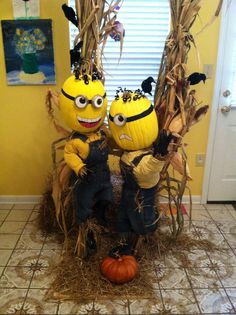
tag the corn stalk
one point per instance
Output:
(175, 102)
(95, 24)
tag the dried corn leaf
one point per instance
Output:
(178, 164)
(200, 113)
(95, 23)
(175, 103)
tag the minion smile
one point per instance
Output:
(89, 123)
(124, 136)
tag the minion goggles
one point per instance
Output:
(82, 101)
(121, 120)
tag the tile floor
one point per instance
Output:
(205, 286)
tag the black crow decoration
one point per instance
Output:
(70, 14)
(75, 54)
(196, 78)
(147, 85)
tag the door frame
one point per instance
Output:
(215, 102)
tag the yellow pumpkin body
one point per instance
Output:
(87, 119)
(119, 270)
(135, 134)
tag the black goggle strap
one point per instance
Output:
(136, 117)
(73, 98)
(67, 95)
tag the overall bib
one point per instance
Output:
(95, 187)
(137, 211)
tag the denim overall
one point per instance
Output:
(95, 187)
(137, 211)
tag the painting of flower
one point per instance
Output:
(28, 49)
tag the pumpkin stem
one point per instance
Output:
(117, 255)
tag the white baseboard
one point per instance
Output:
(196, 199)
(33, 199)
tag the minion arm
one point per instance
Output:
(148, 171)
(74, 153)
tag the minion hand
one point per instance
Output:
(82, 172)
(161, 146)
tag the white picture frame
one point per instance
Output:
(28, 9)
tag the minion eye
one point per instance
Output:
(120, 120)
(97, 101)
(81, 101)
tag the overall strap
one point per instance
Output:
(77, 135)
(137, 159)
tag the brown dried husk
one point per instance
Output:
(175, 103)
(95, 24)
(82, 279)
(60, 217)
(47, 218)
(78, 279)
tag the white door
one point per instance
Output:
(222, 181)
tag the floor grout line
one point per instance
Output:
(191, 286)
(6, 266)
(14, 246)
(219, 278)
(159, 289)
(222, 234)
(39, 255)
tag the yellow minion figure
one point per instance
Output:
(83, 104)
(134, 126)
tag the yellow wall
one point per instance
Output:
(207, 45)
(26, 132)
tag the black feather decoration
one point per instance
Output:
(70, 14)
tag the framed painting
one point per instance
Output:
(28, 49)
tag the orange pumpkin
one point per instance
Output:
(119, 270)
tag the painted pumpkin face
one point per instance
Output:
(83, 106)
(133, 123)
